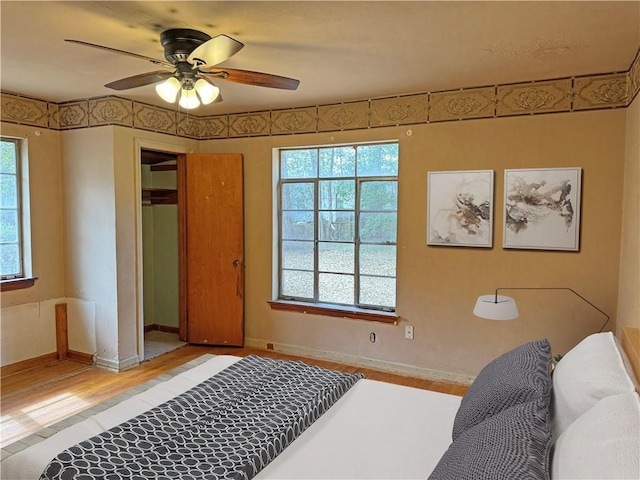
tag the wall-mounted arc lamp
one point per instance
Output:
(501, 307)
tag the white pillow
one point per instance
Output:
(604, 443)
(590, 371)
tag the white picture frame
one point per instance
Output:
(542, 208)
(460, 208)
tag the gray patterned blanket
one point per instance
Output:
(229, 426)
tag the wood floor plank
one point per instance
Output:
(39, 397)
(14, 383)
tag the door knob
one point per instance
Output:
(236, 263)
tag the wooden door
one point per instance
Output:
(212, 248)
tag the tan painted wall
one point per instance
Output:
(101, 172)
(46, 214)
(437, 286)
(629, 297)
(90, 227)
(27, 326)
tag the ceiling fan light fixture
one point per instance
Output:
(189, 99)
(193, 56)
(207, 91)
(168, 90)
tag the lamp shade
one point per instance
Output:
(168, 89)
(207, 91)
(496, 307)
(189, 99)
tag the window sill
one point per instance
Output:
(17, 284)
(334, 311)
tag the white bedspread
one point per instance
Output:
(376, 430)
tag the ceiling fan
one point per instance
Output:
(191, 57)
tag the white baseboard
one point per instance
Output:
(118, 365)
(387, 366)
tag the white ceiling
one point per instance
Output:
(341, 50)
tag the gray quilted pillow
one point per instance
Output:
(511, 445)
(517, 376)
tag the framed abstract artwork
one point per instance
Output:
(542, 208)
(460, 208)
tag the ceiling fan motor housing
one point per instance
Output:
(178, 43)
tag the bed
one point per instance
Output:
(519, 419)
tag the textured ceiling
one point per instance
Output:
(343, 50)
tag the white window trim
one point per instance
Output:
(24, 214)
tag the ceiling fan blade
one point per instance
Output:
(215, 51)
(139, 80)
(115, 50)
(253, 78)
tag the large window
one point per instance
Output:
(337, 224)
(11, 246)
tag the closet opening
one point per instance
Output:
(160, 254)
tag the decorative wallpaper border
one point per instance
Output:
(570, 94)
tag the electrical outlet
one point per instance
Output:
(408, 332)
(372, 337)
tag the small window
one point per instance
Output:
(337, 225)
(12, 265)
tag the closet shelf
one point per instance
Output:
(163, 167)
(159, 196)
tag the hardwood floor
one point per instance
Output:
(39, 397)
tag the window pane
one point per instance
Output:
(378, 160)
(297, 196)
(9, 226)
(336, 288)
(378, 291)
(379, 195)
(297, 255)
(11, 250)
(378, 260)
(299, 163)
(7, 157)
(336, 257)
(337, 194)
(334, 205)
(9, 259)
(378, 227)
(337, 226)
(297, 284)
(8, 191)
(297, 225)
(337, 162)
